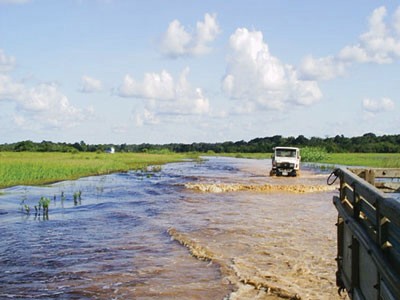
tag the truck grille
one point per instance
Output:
(285, 165)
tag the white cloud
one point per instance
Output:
(40, 106)
(177, 41)
(147, 117)
(6, 62)
(154, 86)
(164, 96)
(260, 79)
(377, 106)
(9, 90)
(45, 97)
(207, 32)
(396, 21)
(353, 54)
(47, 106)
(321, 68)
(188, 100)
(380, 44)
(90, 85)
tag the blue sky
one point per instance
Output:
(114, 71)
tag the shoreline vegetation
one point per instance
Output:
(39, 168)
(371, 160)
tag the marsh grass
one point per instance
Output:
(35, 168)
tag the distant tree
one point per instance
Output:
(25, 146)
(301, 140)
(123, 148)
(77, 146)
(83, 146)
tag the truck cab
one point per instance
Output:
(285, 161)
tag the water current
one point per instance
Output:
(220, 228)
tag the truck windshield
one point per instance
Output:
(285, 153)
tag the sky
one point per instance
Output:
(127, 71)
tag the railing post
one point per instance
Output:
(355, 265)
(355, 251)
(342, 186)
(356, 204)
(339, 256)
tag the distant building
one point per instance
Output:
(110, 150)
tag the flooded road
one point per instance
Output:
(217, 229)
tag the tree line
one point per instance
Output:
(367, 143)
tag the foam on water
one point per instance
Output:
(265, 188)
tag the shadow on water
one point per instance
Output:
(139, 235)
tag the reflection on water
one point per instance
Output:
(153, 236)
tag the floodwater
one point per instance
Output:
(216, 229)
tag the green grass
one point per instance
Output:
(375, 160)
(34, 168)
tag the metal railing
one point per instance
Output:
(368, 231)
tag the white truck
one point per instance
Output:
(285, 161)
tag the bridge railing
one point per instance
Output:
(368, 231)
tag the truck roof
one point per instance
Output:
(288, 148)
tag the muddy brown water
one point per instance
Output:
(217, 229)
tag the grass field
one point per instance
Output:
(34, 168)
(375, 160)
